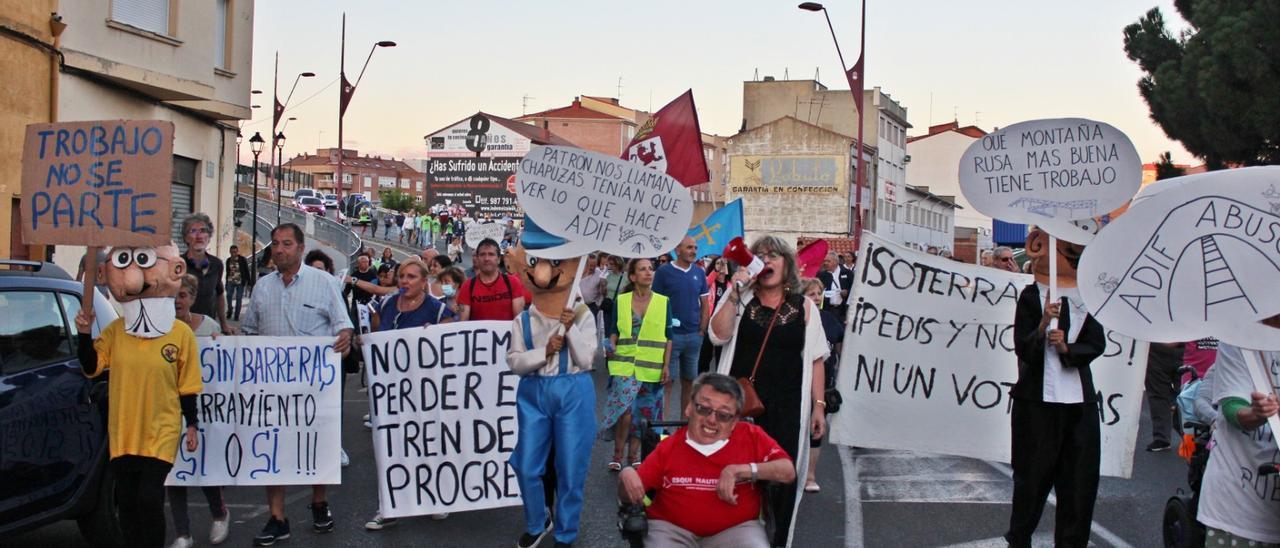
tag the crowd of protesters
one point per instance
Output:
(754, 360)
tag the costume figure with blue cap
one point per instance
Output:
(552, 347)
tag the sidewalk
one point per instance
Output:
(377, 242)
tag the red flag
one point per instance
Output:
(809, 258)
(855, 82)
(345, 94)
(275, 116)
(671, 142)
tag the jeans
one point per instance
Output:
(685, 348)
(235, 297)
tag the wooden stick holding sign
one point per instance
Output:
(90, 277)
(1053, 278)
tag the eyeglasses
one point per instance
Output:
(196, 231)
(1005, 259)
(704, 411)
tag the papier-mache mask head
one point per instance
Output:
(144, 280)
(546, 264)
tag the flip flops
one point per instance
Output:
(615, 465)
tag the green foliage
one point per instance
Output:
(395, 200)
(1165, 168)
(1216, 86)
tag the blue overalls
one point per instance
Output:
(559, 411)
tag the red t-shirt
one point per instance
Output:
(491, 301)
(686, 480)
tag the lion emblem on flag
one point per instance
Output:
(649, 153)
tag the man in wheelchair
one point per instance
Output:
(705, 477)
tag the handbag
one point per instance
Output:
(751, 404)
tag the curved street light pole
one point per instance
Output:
(344, 98)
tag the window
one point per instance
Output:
(33, 331)
(222, 34)
(150, 15)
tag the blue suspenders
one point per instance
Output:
(528, 342)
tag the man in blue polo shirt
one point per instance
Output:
(685, 285)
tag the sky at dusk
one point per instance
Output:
(987, 62)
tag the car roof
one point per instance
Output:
(19, 273)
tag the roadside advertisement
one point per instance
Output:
(479, 184)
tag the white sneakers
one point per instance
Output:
(346, 461)
(218, 530)
(182, 542)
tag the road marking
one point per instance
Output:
(902, 476)
(1098, 529)
(262, 508)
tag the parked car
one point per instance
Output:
(53, 419)
(309, 204)
(330, 201)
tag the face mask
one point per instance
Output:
(149, 318)
(447, 289)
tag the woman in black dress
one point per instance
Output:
(768, 328)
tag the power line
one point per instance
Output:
(298, 104)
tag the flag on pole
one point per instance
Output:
(345, 94)
(671, 142)
(722, 225)
(855, 82)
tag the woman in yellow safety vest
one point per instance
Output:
(639, 353)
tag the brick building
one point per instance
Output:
(366, 175)
(587, 128)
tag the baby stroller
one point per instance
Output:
(1181, 529)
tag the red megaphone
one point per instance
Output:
(737, 252)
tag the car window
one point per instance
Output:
(310, 200)
(33, 331)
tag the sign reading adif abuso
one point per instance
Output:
(479, 184)
(97, 183)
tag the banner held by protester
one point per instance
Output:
(442, 402)
(929, 361)
(270, 414)
(103, 183)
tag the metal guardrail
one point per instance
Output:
(326, 230)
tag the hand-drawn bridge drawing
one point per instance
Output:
(1050, 208)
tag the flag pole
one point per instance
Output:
(861, 67)
(342, 77)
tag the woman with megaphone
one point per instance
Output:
(775, 346)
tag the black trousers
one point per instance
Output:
(1161, 382)
(1055, 446)
(140, 498)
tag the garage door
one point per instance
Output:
(183, 189)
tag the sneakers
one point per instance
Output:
(367, 422)
(346, 461)
(379, 523)
(321, 519)
(182, 542)
(529, 541)
(274, 531)
(439, 517)
(1158, 446)
(218, 530)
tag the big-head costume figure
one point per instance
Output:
(1056, 438)
(155, 377)
(552, 347)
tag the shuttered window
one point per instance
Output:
(183, 189)
(152, 15)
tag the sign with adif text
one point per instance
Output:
(97, 183)
(929, 361)
(270, 414)
(442, 402)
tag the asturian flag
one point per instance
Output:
(671, 142)
(720, 226)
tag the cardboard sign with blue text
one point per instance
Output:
(270, 414)
(443, 406)
(97, 183)
(928, 361)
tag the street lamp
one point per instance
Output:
(280, 174)
(279, 109)
(346, 92)
(255, 144)
(854, 76)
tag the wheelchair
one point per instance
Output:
(1180, 527)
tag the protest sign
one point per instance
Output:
(97, 183)
(443, 407)
(1044, 170)
(477, 232)
(929, 361)
(620, 207)
(270, 414)
(1197, 260)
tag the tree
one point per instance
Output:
(395, 200)
(1214, 86)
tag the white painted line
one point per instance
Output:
(852, 497)
(263, 509)
(1098, 529)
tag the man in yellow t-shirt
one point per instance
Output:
(155, 377)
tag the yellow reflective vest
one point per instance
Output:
(640, 354)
